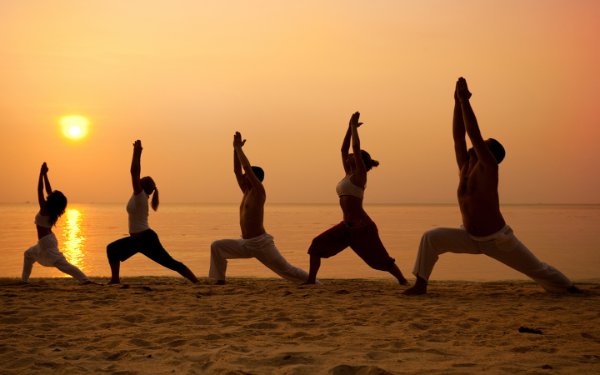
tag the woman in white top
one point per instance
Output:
(357, 230)
(46, 252)
(141, 238)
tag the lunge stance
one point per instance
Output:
(255, 241)
(357, 230)
(141, 238)
(484, 230)
(46, 252)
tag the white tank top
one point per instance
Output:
(346, 187)
(137, 208)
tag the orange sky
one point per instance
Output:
(183, 76)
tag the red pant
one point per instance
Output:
(363, 239)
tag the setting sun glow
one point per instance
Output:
(74, 127)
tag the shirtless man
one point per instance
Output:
(484, 230)
(255, 242)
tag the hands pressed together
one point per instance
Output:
(137, 145)
(354, 119)
(237, 140)
(462, 91)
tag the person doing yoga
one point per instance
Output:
(357, 230)
(255, 241)
(46, 252)
(141, 238)
(484, 230)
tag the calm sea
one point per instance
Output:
(566, 236)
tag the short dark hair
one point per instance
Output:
(497, 149)
(258, 172)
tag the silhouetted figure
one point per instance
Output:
(484, 230)
(46, 252)
(141, 238)
(357, 230)
(255, 241)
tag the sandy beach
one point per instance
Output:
(163, 325)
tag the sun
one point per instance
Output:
(74, 127)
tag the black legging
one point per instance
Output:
(146, 243)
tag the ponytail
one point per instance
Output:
(155, 199)
(369, 163)
(149, 187)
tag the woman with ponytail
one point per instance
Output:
(46, 252)
(141, 238)
(357, 230)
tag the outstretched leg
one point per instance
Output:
(188, 274)
(268, 254)
(395, 271)
(153, 249)
(366, 243)
(71, 270)
(512, 252)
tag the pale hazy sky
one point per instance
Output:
(183, 76)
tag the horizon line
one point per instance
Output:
(335, 203)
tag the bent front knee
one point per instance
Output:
(315, 248)
(112, 253)
(433, 233)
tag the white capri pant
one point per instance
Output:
(261, 247)
(46, 253)
(502, 246)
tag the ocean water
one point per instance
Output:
(566, 236)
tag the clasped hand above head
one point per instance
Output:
(237, 140)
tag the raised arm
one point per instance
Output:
(40, 189)
(237, 165)
(471, 126)
(346, 143)
(359, 176)
(346, 149)
(459, 132)
(238, 143)
(136, 167)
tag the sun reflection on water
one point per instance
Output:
(74, 239)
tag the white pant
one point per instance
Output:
(502, 246)
(46, 253)
(261, 247)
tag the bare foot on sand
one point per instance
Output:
(419, 288)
